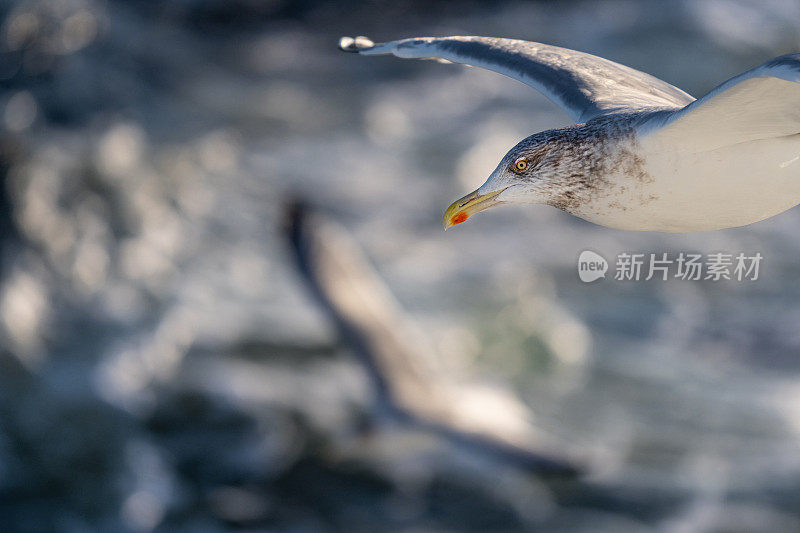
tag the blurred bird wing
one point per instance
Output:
(585, 86)
(761, 103)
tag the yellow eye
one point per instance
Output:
(520, 164)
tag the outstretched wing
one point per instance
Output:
(584, 85)
(762, 103)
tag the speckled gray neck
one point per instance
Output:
(578, 161)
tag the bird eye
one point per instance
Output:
(520, 164)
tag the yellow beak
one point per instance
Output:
(463, 208)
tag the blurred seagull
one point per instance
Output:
(644, 155)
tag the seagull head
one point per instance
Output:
(526, 175)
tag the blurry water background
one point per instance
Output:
(163, 366)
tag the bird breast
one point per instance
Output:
(646, 188)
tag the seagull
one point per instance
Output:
(643, 154)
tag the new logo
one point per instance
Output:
(591, 266)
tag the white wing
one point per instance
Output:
(584, 85)
(762, 103)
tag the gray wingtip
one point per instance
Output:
(357, 44)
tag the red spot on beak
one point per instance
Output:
(459, 218)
